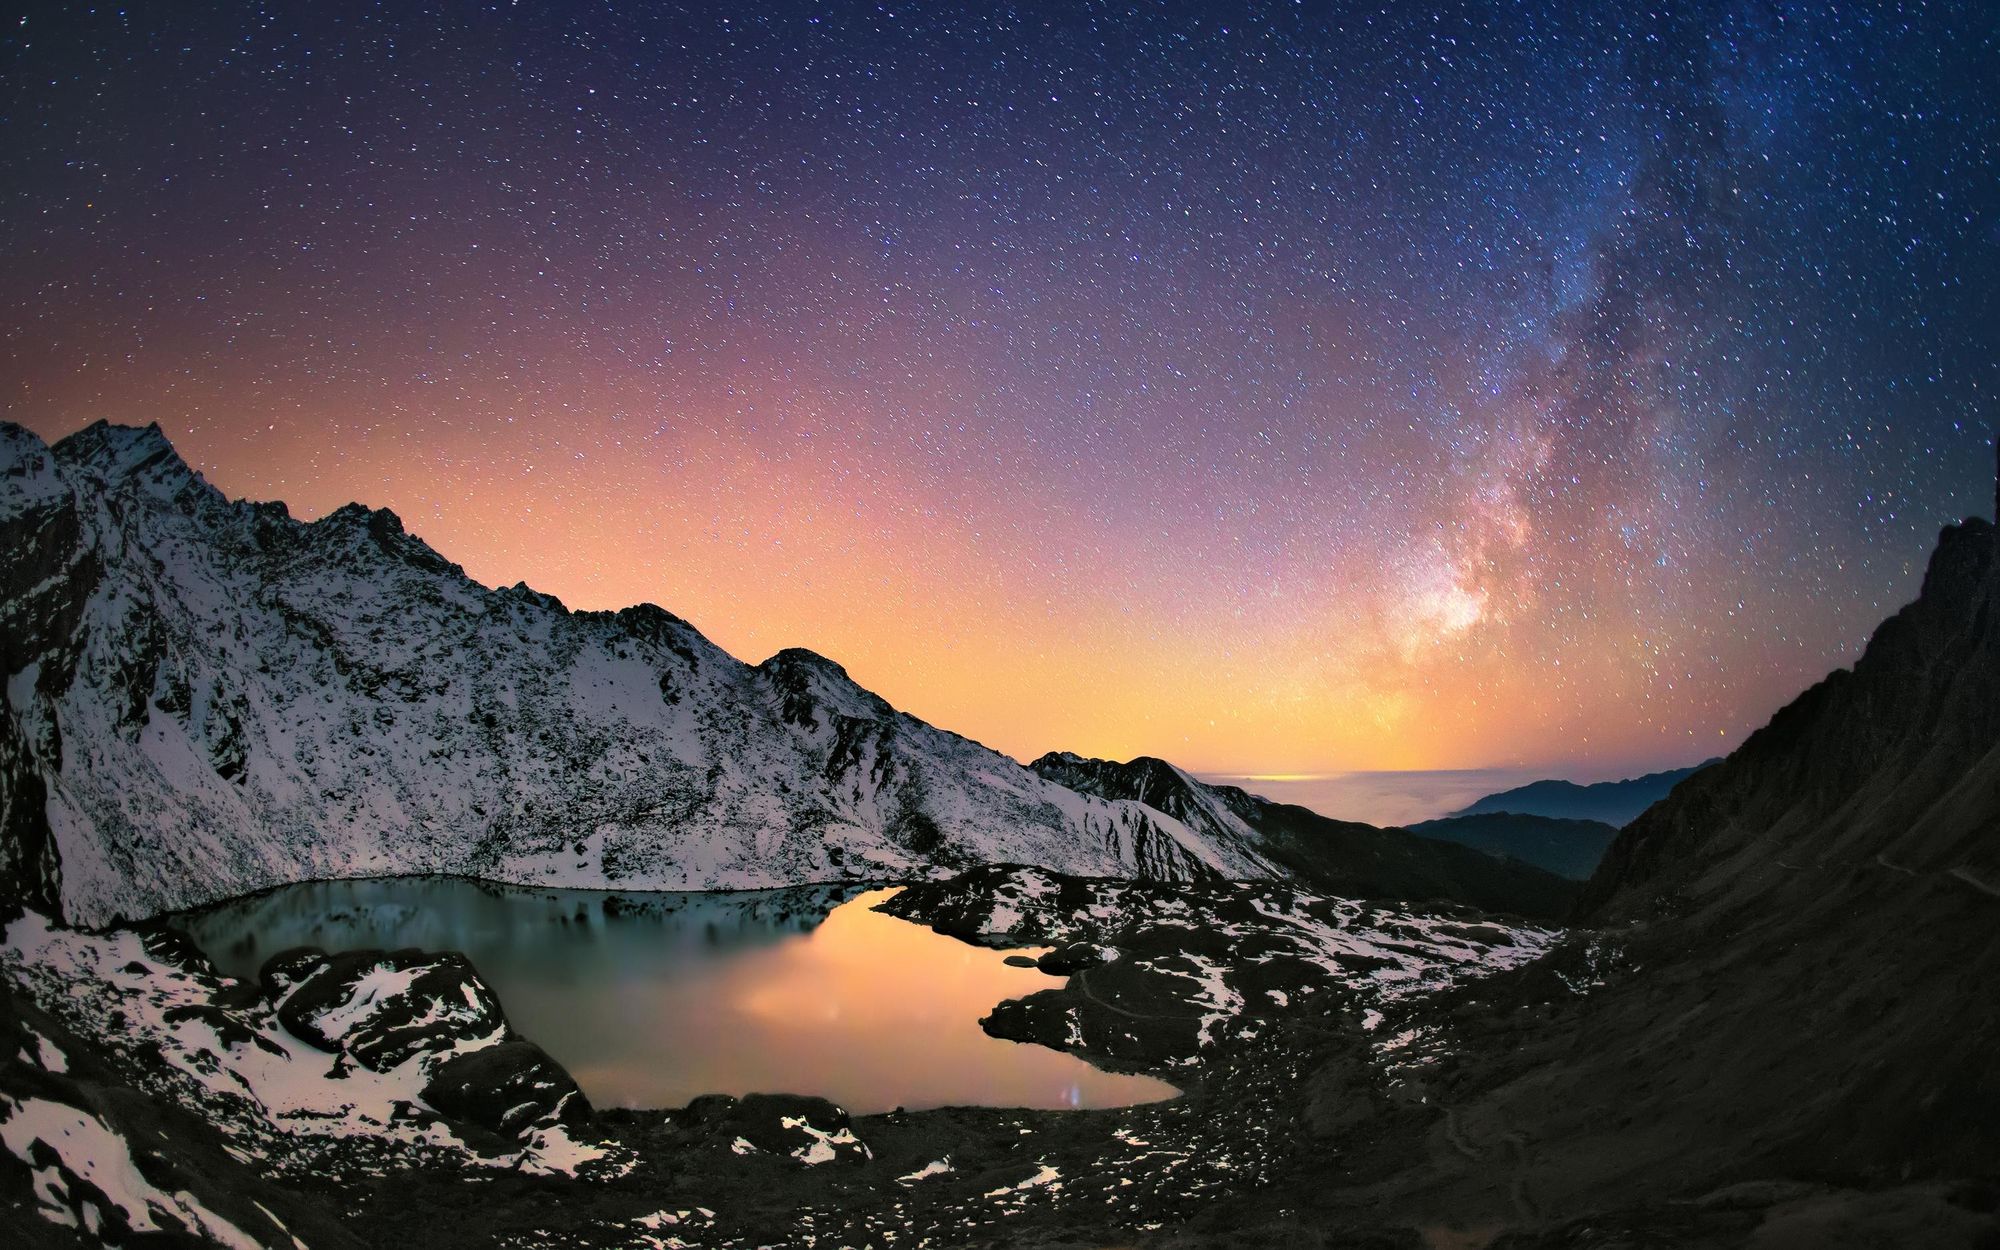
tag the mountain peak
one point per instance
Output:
(1137, 768)
(29, 477)
(120, 453)
(1146, 778)
(385, 529)
(15, 435)
(808, 681)
(1613, 802)
(805, 657)
(528, 594)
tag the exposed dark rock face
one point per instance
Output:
(45, 580)
(1887, 761)
(1338, 856)
(507, 1088)
(1789, 981)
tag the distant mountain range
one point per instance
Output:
(207, 697)
(1614, 803)
(1568, 848)
(1339, 856)
(1559, 826)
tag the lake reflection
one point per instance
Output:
(652, 999)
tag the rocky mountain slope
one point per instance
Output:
(1614, 803)
(1783, 1002)
(205, 697)
(1568, 848)
(1337, 856)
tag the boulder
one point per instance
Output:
(382, 1007)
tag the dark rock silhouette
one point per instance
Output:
(1785, 975)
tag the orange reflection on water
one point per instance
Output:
(866, 1009)
(654, 999)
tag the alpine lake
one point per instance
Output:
(652, 999)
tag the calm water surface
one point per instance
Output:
(652, 999)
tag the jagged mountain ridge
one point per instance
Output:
(1339, 856)
(206, 697)
(1881, 761)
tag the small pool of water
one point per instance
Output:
(652, 999)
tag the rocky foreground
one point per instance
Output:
(349, 1099)
(1332, 1052)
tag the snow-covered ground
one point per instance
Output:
(280, 1102)
(1210, 942)
(76, 1142)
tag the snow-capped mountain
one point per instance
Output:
(206, 697)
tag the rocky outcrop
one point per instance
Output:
(508, 1088)
(383, 1009)
(1163, 976)
(792, 1127)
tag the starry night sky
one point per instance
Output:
(1275, 388)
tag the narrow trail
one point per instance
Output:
(1965, 874)
(1517, 1188)
(1517, 1149)
(1961, 873)
(1883, 860)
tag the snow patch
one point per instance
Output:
(91, 1151)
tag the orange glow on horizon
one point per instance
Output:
(991, 607)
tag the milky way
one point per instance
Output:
(1283, 387)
